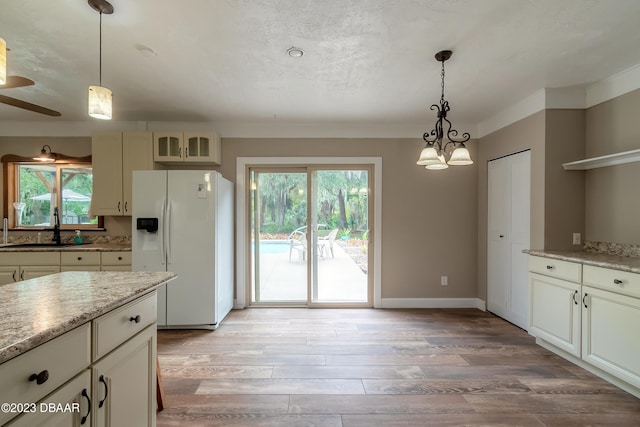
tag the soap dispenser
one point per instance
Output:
(78, 239)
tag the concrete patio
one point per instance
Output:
(281, 279)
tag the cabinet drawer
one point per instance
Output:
(621, 282)
(556, 268)
(80, 258)
(116, 258)
(117, 326)
(30, 258)
(63, 358)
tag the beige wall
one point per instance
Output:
(429, 225)
(613, 193)
(557, 196)
(528, 133)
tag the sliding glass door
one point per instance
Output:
(310, 236)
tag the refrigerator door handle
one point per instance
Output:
(163, 246)
(169, 228)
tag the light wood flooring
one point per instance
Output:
(365, 367)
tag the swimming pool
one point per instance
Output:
(273, 246)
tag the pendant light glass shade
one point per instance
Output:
(100, 102)
(460, 157)
(427, 155)
(437, 164)
(3, 61)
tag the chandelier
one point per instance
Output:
(436, 150)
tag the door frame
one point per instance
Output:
(243, 201)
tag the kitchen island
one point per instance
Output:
(75, 338)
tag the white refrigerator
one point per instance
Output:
(183, 222)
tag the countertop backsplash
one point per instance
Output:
(67, 236)
(621, 249)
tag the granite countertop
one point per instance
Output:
(615, 262)
(35, 311)
(89, 247)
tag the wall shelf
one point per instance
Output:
(602, 161)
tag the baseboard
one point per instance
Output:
(433, 303)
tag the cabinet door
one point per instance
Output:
(167, 146)
(32, 271)
(554, 313)
(137, 154)
(202, 147)
(124, 383)
(9, 274)
(106, 160)
(71, 406)
(609, 333)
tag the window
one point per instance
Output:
(34, 189)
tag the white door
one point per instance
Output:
(509, 189)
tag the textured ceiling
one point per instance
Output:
(366, 61)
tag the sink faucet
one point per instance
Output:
(56, 227)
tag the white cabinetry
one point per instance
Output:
(554, 298)
(80, 261)
(609, 322)
(193, 147)
(17, 266)
(116, 261)
(114, 156)
(590, 313)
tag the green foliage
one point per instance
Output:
(281, 199)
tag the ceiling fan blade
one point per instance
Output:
(28, 106)
(16, 81)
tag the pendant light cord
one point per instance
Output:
(100, 59)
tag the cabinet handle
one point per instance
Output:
(549, 267)
(22, 275)
(186, 152)
(14, 275)
(617, 281)
(106, 391)
(79, 258)
(501, 236)
(40, 378)
(583, 300)
(125, 207)
(86, 417)
(135, 319)
(118, 206)
(575, 301)
(180, 152)
(119, 258)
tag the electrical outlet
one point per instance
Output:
(444, 281)
(576, 238)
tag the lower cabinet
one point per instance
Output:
(594, 320)
(124, 383)
(69, 406)
(610, 335)
(554, 315)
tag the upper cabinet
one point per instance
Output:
(192, 147)
(115, 155)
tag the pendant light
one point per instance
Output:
(3, 61)
(99, 96)
(46, 156)
(433, 154)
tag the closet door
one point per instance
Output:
(509, 187)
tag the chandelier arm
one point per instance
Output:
(452, 134)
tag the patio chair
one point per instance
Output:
(326, 242)
(298, 243)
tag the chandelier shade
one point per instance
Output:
(443, 141)
(3, 61)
